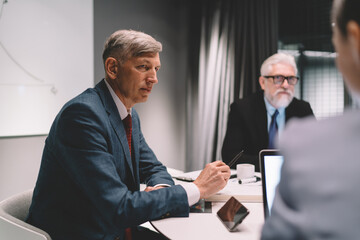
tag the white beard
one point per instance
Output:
(281, 102)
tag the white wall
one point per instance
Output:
(52, 40)
(46, 59)
(163, 115)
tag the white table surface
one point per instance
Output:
(208, 226)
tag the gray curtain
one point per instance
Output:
(256, 39)
(229, 40)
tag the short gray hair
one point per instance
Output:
(275, 59)
(124, 44)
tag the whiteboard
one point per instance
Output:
(46, 58)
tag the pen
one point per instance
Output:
(234, 160)
(249, 180)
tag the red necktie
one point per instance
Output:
(128, 234)
(128, 128)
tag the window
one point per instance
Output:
(320, 82)
(306, 34)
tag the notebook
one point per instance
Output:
(270, 167)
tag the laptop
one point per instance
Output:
(270, 168)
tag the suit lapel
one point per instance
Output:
(261, 117)
(290, 110)
(115, 121)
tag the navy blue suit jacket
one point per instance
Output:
(87, 186)
(247, 127)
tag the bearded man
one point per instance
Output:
(256, 121)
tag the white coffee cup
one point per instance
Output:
(245, 170)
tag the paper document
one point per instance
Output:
(251, 192)
(191, 176)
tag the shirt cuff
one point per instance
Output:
(193, 193)
(162, 185)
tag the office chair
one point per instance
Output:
(13, 212)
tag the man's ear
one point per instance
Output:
(353, 35)
(262, 82)
(111, 67)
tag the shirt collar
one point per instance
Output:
(271, 109)
(119, 104)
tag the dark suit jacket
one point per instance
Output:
(247, 127)
(87, 187)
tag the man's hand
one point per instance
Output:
(213, 178)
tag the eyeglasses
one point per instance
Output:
(279, 79)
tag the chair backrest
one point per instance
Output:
(13, 212)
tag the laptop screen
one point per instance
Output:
(270, 167)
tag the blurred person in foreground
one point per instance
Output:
(318, 196)
(96, 156)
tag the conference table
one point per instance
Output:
(208, 226)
